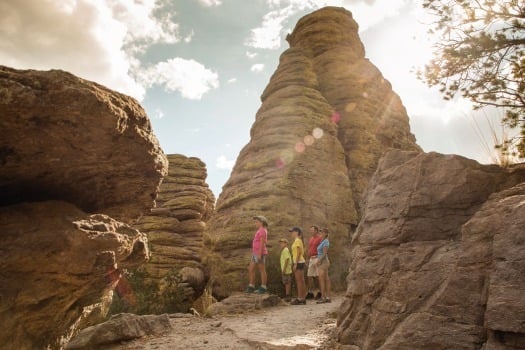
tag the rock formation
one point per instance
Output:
(119, 328)
(175, 227)
(71, 152)
(436, 261)
(327, 115)
(69, 139)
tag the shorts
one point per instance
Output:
(324, 265)
(312, 267)
(262, 260)
(287, 278)
(300, 266)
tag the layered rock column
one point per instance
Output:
(175, 227)
(71, 152)
(435, 259)
(327, 115)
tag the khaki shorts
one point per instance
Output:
(324, 265)
(312, 267)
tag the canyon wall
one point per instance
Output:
(436, 261)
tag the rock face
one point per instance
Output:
(71, 152)
(327, 115)
(242, 303)
(437, 257)
(65, 138)
(121, 327)
(175, 227)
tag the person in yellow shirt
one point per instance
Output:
(286, 268)
(298, 265)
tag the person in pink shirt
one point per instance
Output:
(259, 253)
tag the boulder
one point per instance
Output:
(175, 227)
(243, 302)
(121, 327)
(59, 266)
(435, 261)
(326, 117)
(75, 158)
(69, 139)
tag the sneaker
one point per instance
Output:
(321, 301)
(318, 296)
(287, 299)
(310, 295)
(261, 290)
(298, 302)
(249, 289)
(327, 300)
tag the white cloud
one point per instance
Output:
(258, 67)
(224, 163)
(188, 38)
(96, 39)
(189, 77)
(159, 113)
(232, 80)
(251, 54)
(210, 3)
(366, 12)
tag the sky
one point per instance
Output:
(198, 67)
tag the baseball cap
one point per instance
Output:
(296, 229)
(261, 219)
(283, 240)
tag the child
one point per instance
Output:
(286, 268)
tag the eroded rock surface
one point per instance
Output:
(58, 266)
(175, 227)
(436, 259)
(121, 327)
(69, 139)
(327, 115)
(72, 152)
(243, 303)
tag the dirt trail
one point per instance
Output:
(281, 327)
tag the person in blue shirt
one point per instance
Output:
(322, 267)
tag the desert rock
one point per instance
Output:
(327, 115)
(435, 260)
(69, 139)
(175, 227)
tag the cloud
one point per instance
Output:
(232, 80)
(189, 77)
(210, 3)
(224, 163)
(367, 12)
(159, 113)
(97, 40)
(251, 54)
(188, 38)
(258, 67)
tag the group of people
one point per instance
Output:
(293, 263)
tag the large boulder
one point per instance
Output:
(436, 258)
(69, 139)
(59, 266)
(175, 227)
(327, 115)
(71, 152)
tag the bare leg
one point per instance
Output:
(251, 273)
(264, 276)
(322, 284)
(328, 286)
(301, 285)
(288, 288)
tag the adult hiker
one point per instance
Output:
(298, 265)
(286, 268)
(259, 253)
(312, 273)
(323, 263)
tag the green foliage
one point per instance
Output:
(481, 55)
(136, 294)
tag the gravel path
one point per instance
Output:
(281, 327)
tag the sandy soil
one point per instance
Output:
(282, 327)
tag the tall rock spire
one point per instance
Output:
(326, 117)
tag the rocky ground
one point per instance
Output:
(282, 327)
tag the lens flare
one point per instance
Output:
(309, 140)
(336, 118)
(365, 94)
(300, 147)
(318, 133)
